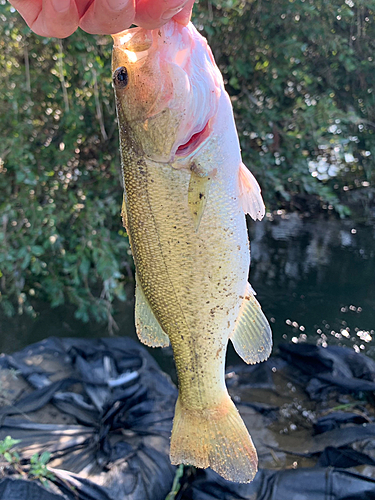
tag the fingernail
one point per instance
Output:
(168, 14)
(117, 4)
(61, 5)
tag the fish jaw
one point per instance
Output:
(173, 86)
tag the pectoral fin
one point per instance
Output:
(252, 337)
(197, 196)
(250, 197)
(147, 326)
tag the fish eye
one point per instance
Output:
(121, 77)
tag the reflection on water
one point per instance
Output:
(314, 279)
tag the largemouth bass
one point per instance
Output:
(185, 198)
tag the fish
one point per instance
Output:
(186, 193)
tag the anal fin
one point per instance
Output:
(147, 326)
(252, 337)
(250, 197)
(197, 196)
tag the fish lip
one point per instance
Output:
(195, 142)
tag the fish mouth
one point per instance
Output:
(194, 142)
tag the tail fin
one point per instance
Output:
(215, 438)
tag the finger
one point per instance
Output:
(28, 10)
(106, 17)
(82, 6)
(55, 18)
(184, 16)
(151, 14)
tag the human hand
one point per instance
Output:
(60, 18)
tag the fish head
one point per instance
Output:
(167, 89)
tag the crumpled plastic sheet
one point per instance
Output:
(114, 410)
(18, 489)
(298, 484)
(335, 366)
(332, 442)
(335, 419)
(120, 406)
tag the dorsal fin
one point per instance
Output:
(250, 198)
(252, 337)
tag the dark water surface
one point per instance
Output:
(315, 279)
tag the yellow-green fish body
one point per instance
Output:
(184, 203)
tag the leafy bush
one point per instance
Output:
(61, 237)
(300, 75)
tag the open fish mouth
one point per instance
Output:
(194, 142)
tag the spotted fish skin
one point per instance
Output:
(185, 194)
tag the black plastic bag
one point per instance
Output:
(119, 406)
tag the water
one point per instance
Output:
(314, 278)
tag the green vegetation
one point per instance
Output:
(36, 468)
(300, 75)
(6, 445)
(61, 237)
(176, 483)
